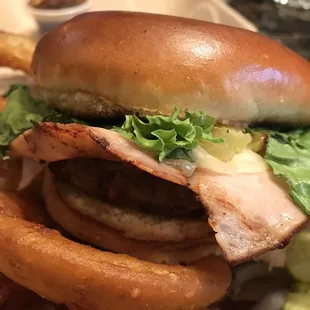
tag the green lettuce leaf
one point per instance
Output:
(23, 112)
(166, 136)
(169, 136)
(288, 154)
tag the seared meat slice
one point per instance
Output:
(245, 226)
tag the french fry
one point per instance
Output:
(16, 51)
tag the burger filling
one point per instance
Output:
(224, 167)
(135, 203)
(250, 180)
(173, 139)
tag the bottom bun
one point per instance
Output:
(102, 236)
(135, 224)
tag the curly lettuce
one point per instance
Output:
(23, 112)
(288, 154)
(165, 136)
(169, 136)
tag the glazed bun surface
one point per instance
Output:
(108, 63)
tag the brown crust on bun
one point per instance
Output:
(125, 61)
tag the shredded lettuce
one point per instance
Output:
(169, 136)
(23, 112)
(288, 154)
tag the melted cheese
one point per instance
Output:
(244, 162)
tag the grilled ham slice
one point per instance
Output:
(250, 211)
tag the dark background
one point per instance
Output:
(285, 24)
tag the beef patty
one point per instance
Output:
(124, 185)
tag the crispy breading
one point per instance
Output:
(86, 278)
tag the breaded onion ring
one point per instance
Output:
(24, 205)
(74, 274)
(86, 278)
(16, 51)
(22, 298)
(102, 236)
(16, 297)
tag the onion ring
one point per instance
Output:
(17, 298)
(23, 205)
(16, 51)
(86, 278)
(74, 274)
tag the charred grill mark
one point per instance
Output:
(100, 141)
(218, 205)
(32, 146)
(230, 208)
(57, 133)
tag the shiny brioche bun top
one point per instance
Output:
(108, 63)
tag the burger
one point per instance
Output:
(170, 148)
